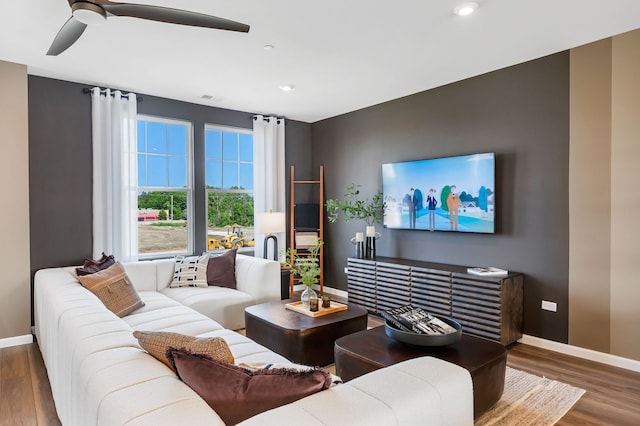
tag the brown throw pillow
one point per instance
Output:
(91, 266)
(157, 343)
(221, 270)
(114, 288)
(236, 393)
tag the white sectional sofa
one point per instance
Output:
(99, 374)
(257, 281)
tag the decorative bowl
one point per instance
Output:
(425, 339)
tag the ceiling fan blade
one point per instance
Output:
(173, 16)
(68, 34)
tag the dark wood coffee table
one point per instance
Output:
(300, 338)
(366, 351)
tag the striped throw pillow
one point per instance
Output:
(190, 271)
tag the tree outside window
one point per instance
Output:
(229, 183)
(164, 186)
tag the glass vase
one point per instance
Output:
(307, 294)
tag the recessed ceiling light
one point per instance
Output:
(287, 87)
(268, 47)
(212, 98)
(465, 8)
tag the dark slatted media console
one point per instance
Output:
(486, 306)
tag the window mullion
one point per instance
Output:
(166, 150)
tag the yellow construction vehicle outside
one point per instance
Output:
(235, 238)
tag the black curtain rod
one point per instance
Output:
(87, 91)
(267, 119)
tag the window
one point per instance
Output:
(164, 186)
(229, 183)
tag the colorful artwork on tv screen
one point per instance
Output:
(455, 194)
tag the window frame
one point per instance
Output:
(189, 189)
(222, 128)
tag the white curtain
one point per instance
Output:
(115, 200)
(269, 172)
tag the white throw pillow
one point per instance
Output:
(190, 271)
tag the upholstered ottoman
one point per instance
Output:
(486, 361)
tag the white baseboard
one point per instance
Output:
(329, 290)
(16, 341)
(335, 292)
(591, 355)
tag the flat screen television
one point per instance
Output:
(455, 194)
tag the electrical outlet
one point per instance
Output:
(346, 270)
(549, 306)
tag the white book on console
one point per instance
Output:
(488, 271)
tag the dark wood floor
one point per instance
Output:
(612, 397)
(613, 394)
(25, 394)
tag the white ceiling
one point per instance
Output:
(341, 55)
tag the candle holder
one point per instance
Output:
(370, 247)
(370, 250)
(326, 301)
(313, 304)
(358, 242)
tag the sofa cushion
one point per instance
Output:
(161, 313)
(236, 393)
(91, 266)
(221, 270)
(143, 274)
(223, 305)
(114, 288)
(157, 343)
(190, 271)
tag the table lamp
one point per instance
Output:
(270, 223)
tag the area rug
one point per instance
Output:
(530, 400)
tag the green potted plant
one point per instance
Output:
(306, 266)
(354, 207)
(370, 210)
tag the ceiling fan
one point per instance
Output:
(91, 12)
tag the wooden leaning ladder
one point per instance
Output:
(292, 222)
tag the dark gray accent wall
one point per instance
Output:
(522, 114)
(60, 162)
(60, 168)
